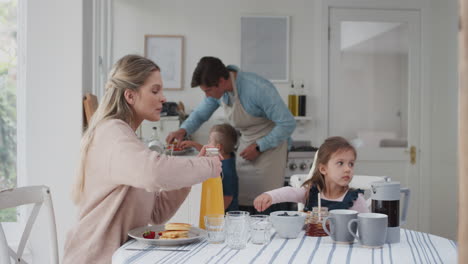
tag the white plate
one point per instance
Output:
(195, 234)
(178, 152)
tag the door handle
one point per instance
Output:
(412, 152)
(413, 155)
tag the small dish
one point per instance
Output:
(288, 224)
(195, 234)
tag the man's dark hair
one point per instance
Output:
(208, 72)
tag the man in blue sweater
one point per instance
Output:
(254, 107)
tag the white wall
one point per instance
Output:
(53, 108)
(87, 47)
(444, 117)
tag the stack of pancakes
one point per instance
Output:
(175, 231)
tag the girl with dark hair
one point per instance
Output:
(332, 173)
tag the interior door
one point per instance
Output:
(374, 91)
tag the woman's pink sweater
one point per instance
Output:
(128, 186)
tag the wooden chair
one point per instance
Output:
(90, 104)
(37, 195)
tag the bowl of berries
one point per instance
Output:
(288, 224)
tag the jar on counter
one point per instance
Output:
(314, 222)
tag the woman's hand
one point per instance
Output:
(262, 202)
(202, 152)
(189, 144)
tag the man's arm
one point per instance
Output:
(200, 115)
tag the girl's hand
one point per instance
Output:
(262, 202)
(189, 144)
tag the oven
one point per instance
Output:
(299, 162)
(300, 159)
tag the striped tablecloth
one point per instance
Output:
(415, 247)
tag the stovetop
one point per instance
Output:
(304, 148)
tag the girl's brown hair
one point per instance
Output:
(327, 149)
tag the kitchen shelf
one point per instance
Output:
(306, 118)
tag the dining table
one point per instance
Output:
(414, 247)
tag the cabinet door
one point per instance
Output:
(164, 126)
(189, 211)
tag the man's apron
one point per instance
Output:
(267, 171)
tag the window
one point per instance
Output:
(8, 85)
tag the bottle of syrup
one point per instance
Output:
(302, 101)
(212, 200)
(314, 222)
(293, 100)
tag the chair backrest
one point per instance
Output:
(37, 195)
(358, 182)
(90, 104)
(364, 181)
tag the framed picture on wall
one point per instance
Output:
(265, 46)
(167, 52)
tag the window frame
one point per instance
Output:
(12, 229)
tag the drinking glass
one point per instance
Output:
(237, 227)
(214, 225)
(260, 227)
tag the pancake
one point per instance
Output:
(177, 226)
(173, 234)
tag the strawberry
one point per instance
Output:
(149, 234)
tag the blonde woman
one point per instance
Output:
(121, 184)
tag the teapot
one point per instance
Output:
(385, 198)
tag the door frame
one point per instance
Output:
(423, 181)
(102, 44)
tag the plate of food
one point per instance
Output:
(176, 151)
(171, 234)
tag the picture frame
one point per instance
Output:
(167, 51)
(265, 42)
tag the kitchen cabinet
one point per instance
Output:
(189, 211)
